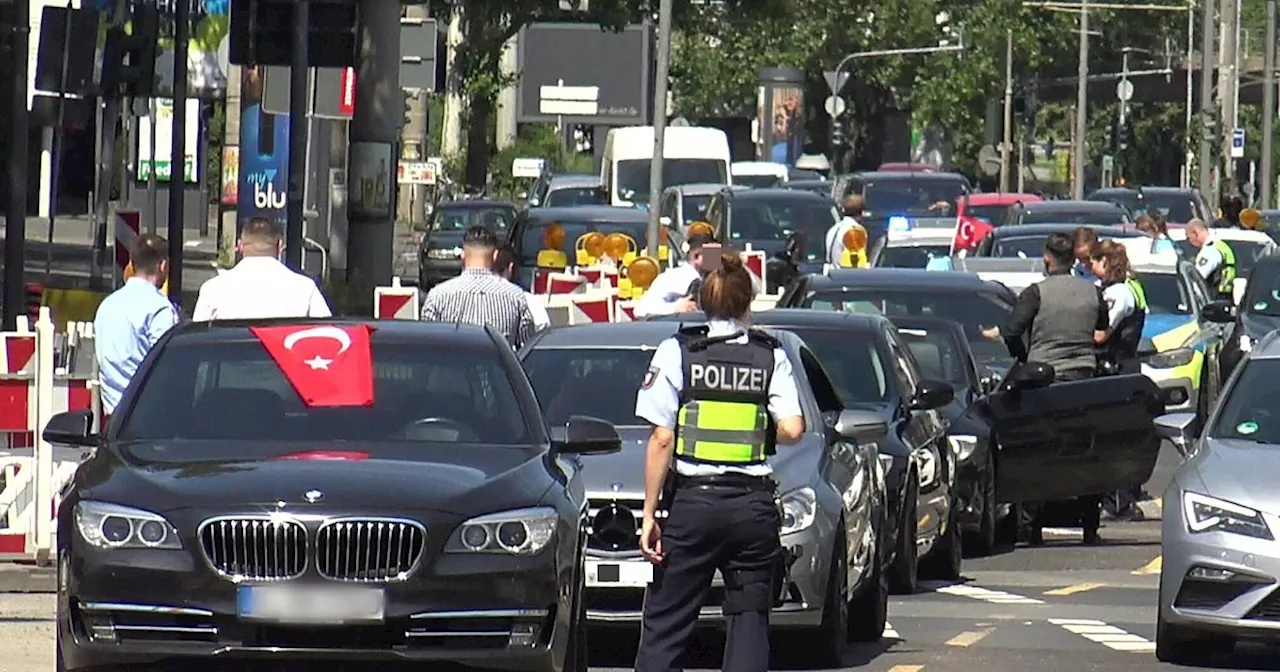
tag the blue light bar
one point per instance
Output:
(899, 224)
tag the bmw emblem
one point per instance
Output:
(313, 496)
(615, 486)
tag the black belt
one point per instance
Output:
(743, 481)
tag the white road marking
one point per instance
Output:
(889, 632)
(1107, 635)
(992, 596)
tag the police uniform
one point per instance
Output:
(1216, 263)
(719, 387)
(1127, 315)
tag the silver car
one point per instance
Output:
(831, 484)
(1220, 574)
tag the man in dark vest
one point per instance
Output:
(1064, 317)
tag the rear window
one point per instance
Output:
(1099, 217)
(913, 256)
(531, 240)
(235, 392)
(571, 196)
(937, 355)
(601, 383)
(461, 219)
(850, 360)
(992, 214)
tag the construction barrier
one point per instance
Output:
(45, 372)
(397, 302)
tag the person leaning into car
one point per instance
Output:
(719, 397)
(1064, 317)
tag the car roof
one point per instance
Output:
(698, 189)
(778, 194)
(574, 180)
(640, 335)
(807, 182)
(1000, 199)
(1225, 233)
(476, 203)
(443, 334)
(1071, 206)
(902, 278)
(589, 213)
(1030, 230)
(784, 318)
(914, 175)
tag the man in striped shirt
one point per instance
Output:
(479, 296)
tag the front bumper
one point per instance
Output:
(1181, 393)
(133, 609)
(432, 272)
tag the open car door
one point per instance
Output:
(1064, 440)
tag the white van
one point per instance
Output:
(759, 173)
(691, 155)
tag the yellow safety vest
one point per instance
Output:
(724, 417)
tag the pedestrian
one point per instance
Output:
(1153, 224)
(1229, 207)
(506, 267)
(1064, 317)
(1083, 240)
(674, 291)
(1215, 261)
(852, 209)
(710, 394)
(259, 286)
(480, 296)
(132, 319)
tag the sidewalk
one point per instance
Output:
(76, 231)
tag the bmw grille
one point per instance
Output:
(345, 549)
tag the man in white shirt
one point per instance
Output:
(853, 206)
(259, 287)
(505, 265)
(673, 290)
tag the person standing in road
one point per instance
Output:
(132, 319)
(834, 245)
(480, 296)
(1083, 240)
(674, 290)
(259, 287)
(1230, 208)
(1064, 317)
(1215, 262)
(719, 398)
(1153, 225)
(506, 267)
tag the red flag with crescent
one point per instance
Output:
(328, 365)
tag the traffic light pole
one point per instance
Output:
(15, 229)
(178, 155)
(104, 175)
(298, 140)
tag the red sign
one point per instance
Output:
(347, 105)
(327, 365)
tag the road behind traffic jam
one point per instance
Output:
(1062, 607)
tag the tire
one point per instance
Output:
(904, 575)
(945, 561)
(982, 543)
(575, 653)
(826, 646)
(869, 609)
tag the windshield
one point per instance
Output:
(756, 181)
(1247, 252)
(1099, 217)
(1176, 208)
(571, 196)
(762, 221)
(461, 219)
(632, 177)
(939, 357)
(912, 197)
(850, 360)
(1248, 410)
(601, 383)
(974, 311)
(992, 214)
(1166, 295)
(531, 239)
(234, 393)
(1262, 294)
(914, 256)
(694, 208)
(1023, 247)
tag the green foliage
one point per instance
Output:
(534, 141)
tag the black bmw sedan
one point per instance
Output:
(338, 491)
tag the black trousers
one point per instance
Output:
(1087, 509)
(735, 530)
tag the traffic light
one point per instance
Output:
(408, 108)
(1124, 135)
(262, 33)
(33, 296)
(129, 55)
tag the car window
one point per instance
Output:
(532, 239)
(824, 391)
(755, 220)
(850, 361)
(694, 208)
(461, 219)
(907, 196)
(937, 355)
(598, 382)
(757, 181)
(912, 256)
(1166, 294)
(633, 175)
(1248, 410)
(234, 393)
(715, 212)
(902, 365)
(1178, 208)
(1262, 294)
(993, 214)
(571, 196)
(1099, 217)
(1247, 252)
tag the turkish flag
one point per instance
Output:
(328, 365)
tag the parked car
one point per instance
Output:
(1095, 213)
(440, 252)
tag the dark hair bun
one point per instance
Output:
(731, 262)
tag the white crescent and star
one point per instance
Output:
(334, 333)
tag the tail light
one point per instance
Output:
(970, 231)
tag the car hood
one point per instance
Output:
(1257, 325)
(620, 475)
(1243, 472)
(1155, 325)
(452, 479)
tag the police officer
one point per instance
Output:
(719, 398)
(1126, 303)
(1064, 317)
(1215, 262)
(673, 291)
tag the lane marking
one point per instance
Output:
(1107, 635)
(906, 668)
(1061, 532)
(992, 596)
(890, 632)
(1072, 590)
(967, 639)
(1152, 567)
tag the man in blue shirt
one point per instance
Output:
(132, 319)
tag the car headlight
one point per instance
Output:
(518, 532)
(1172, 359)
(799, 508)
(928, 464)
(1205, 514)
(1246, 343)
(113, 526)
(962, 445)
(447, 253)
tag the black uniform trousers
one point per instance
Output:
(1088, 507)
(730, 528)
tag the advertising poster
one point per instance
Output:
(206, 51)
(230, 174)
(161, 158)
(263, 180)
(786, 122)
(372, 179)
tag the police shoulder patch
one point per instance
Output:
(650, 377)
(1111, 303)
(1202, 261)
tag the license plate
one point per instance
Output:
(631, 574)
(311, 605)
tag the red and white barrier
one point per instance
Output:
(563, 283)
(592, 308)
(754, 262)
(397, 302)
(624, 311)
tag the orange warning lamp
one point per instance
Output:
(552, 256)
(703, 228)
(588, 248)
(855, 239)
(642, 272)
(129, 273)
(620, 247)
(1251, 219)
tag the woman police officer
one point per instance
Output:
(719, 397)
(1126, 306)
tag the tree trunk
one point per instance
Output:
(479, 140)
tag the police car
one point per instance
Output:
(916, 242)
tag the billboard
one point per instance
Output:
(620, 65)
(264, 154)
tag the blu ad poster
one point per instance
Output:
(263, 182)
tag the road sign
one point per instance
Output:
(1124, 90)
(528, 167)
(835, 80)
(573, 101)
(834, 106)
(1237, 143)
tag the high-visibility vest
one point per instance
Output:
(1226, 273)
(1139, 294)
(724, 417)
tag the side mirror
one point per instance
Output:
(1220, 312)
(861, 426)
(534, 202)
(583, 435)
(1177, 429)
(1030, 376)
(73, 428)
(523, 195)
(931, 394)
